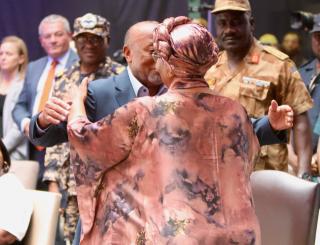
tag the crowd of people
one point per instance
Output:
(158, 151)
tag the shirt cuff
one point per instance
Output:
(40, 131)
(282, 135)
(24, 123)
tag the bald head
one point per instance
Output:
(138, 29)
(138, 49)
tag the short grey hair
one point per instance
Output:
(54, 18)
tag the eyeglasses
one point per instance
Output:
(93, 40)
(155, 55)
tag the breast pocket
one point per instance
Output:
(253, 96)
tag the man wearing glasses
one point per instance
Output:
(91, 36)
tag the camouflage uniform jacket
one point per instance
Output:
(57, 157)
(264, 74)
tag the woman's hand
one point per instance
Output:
(80, 92)
(79, 95)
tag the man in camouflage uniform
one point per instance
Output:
(91, 36)
(254, 75)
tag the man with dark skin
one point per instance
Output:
(254, 75)
(106, 95)
(310, 73)
(140, 73)
(91, 37)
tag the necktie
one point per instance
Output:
(46, 91)
(47, 86)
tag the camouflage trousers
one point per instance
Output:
(70, 216)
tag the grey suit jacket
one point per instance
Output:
(104, 97)
(24, 106)
(14, 140)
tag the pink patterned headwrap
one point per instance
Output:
(188, 48)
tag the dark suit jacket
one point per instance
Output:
(24, 106)
(266, 135)
(104, 97)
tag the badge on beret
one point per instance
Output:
(88, 21)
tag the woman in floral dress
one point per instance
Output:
(171, 169)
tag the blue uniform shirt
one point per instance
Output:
(308, 72)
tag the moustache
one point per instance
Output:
(230, 37)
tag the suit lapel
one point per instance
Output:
(35, 78)
(123, 89)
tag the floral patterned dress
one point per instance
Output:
(172, 169)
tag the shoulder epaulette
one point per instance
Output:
(275, 52)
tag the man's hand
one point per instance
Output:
(280, 117)
(54, 112)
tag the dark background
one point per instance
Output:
(21, 17)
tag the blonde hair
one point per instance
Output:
(22, 50)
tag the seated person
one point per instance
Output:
(15, 205)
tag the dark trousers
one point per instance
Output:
(77, 235)
(38, 156)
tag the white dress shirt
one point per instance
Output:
(16, 206)
(62, 61)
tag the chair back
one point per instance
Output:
(26, 171)
(43, 224)
(287, 208)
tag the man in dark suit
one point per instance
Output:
(106, 95)
(54, 36)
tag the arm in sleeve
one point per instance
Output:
(266, 135)
(106, 142)
(13, 138)
(20, 111)
(249, 140)
(54, 134)
(57, 134)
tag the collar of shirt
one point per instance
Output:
(62, 61)
(137, 86)
(254, 52)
